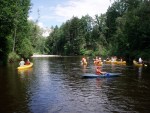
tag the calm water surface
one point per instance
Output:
(56, 85)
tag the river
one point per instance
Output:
(56, 85)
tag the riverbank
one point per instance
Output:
(45, 56)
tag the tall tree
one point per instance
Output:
(6, 27)
(13, 27)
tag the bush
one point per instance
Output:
(12, 57)
(25, 50)
(88, 52)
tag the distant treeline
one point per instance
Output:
(123, 31)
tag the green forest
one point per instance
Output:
(123, 31)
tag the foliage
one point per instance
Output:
(131, 36)
(36, 38)
(12, 57)
(5, 28)
(77, 36)
(13, 27)
(25, 50)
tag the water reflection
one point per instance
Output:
(99, 82)
(140, 71)
(84, 68)
(25, 72)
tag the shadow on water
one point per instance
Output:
(56, 85)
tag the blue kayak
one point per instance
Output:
(107, 75)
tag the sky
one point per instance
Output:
(55, 12)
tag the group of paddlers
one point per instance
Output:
(97, 62)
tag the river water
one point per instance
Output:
(56, 85)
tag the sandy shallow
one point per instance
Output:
(45, 56)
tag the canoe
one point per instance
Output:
(25, 66)
(98, 63)
(107, 75)
(121, 62)
(115, 62)
(111, 62)
(137, 64)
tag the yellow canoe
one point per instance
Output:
(108, 62)
(98, 63)
(121, 62)
(111, 62)
(116, 62)
(25, 66)
(137, 64)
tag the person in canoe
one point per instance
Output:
(140, 60)
(98, 70)
(27, 62)
(95, 58)
(22, 62)
(98, 61)
(107, 59)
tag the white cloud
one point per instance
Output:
(45, 30)
(57, 14)
(46, 33)
(80, 8)
(41, 24)
(47, 17)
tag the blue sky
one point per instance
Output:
(55, 12)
